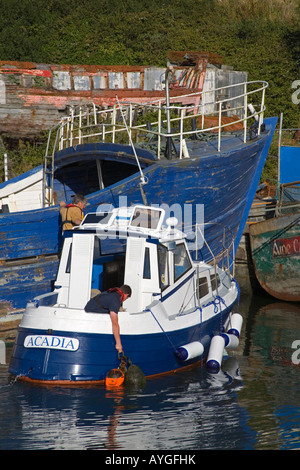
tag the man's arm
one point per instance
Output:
(116, 330)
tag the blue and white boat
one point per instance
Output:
(206, 148)
(178, 313)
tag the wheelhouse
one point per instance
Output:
(131, 246)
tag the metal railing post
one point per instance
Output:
(219, 128)
(72, 127)
(114, 123)
(181, 132)
(80, 124)
(159, 131)
(261, 114)
(245, 112)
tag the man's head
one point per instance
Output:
(126, 291)
(79, 200)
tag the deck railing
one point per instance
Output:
(224, 258)
(164, 127)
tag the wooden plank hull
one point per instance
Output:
(34, 96)
(275, 246)
(223, 182)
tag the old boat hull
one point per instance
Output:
(275, 245)
(224, 182)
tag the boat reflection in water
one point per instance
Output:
(270, 365)
(252, 403)
(190, 409)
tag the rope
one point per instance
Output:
(238, 298)
(182, 305)
(216, 302)
(170, 341)
(143, 179)
(276, 235)
(174, 348)
(162, 329)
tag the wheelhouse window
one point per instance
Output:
(68, 266)
(215, 281)
(202, 287)
(146, 271)
(182, 262)
(163, 267)
(147, 218)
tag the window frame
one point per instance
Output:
(187, 257)
(198, 287)
(163, 248)
(147, 264)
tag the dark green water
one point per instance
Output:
(254, 403)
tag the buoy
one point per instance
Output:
(132, 375)
(235, 324)
(189, 351)
(114, 378)
(215, 354)
(135, 377)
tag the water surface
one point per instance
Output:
(253, 403)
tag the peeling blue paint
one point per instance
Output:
(224, 182)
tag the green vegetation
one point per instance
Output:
(261, 37)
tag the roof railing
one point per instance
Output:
(190, 116)
(225, 257)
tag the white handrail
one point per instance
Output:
(95, 124)
(222, 255)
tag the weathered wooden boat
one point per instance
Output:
(275, 246)
(275, 238)
(207, 168)
(35, 96)
(9, 323)
(180, 311)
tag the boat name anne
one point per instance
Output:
(286, 247)
(51, 342)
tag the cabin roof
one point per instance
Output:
(139, 221)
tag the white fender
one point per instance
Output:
(215, 354)
(189, 351)
(235, 324)
(231, 341)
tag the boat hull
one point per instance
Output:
(224, 183)
(21, 280)
(87, 357)
(275, 246)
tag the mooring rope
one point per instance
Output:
(274, 237)
(162, 329)
(170, 341)
(143, 179)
